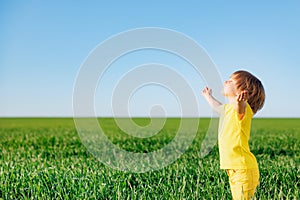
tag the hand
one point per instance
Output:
(243, 96)
(206, 92)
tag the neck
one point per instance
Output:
(231, 99)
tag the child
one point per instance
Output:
(246, 96)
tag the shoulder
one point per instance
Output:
(247, 117)
(249, 110)
(226, 108)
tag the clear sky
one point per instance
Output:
(44, 43)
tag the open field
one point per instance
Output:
(43, 158)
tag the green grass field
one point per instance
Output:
(44, 158)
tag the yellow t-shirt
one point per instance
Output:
(233, 139)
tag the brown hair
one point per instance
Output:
(246, 81)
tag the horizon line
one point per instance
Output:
(72, 117)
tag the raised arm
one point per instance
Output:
(240, 105)
(214, 104)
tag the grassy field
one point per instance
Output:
(44, 158)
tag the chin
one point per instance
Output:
(223, 93)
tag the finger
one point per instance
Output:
(239, 96)
(206, 89)
(242, 96)
(245, 95)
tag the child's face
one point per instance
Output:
(229, 88)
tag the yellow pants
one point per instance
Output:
(243, 183)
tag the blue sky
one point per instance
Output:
(44, 43)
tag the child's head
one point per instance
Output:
(246, 81)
